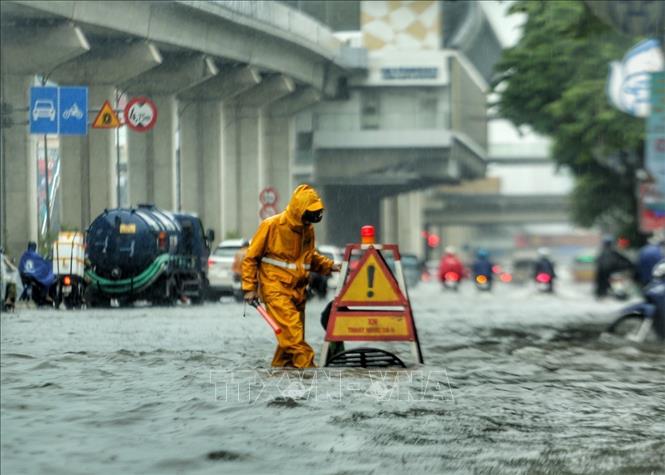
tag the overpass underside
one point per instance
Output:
(226, 85)
(357, 180)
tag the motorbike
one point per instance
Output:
(619, 287)
(636, 321)
(451, 280)
(483, 282)
(69, 291)
(37, 277)
(544, 282)
(42, 295)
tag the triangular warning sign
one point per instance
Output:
(372, 284)
(106, 118)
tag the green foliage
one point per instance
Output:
(554, 81)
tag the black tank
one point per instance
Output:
(122, 243)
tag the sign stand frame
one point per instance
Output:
(342, 309)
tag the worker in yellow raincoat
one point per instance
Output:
(276, 269)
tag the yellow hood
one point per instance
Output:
(304, 198)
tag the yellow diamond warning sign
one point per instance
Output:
(371, 284)
(107, 118)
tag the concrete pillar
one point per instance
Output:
(410, 223)
(152, 164)
(18, 212)
(212, 141)
(278, 155)
(250, 159)
(88, 169)
(230, 184)
(201, 158)
(389, 221)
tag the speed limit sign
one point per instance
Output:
(268, 196)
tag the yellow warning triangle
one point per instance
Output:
(372, 284)
(106, 118)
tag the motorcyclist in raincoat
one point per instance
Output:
(450, 263)
(37, 276)
(276, 269)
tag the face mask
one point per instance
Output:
(312, 216)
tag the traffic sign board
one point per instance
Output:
(58, 110)
(371, 284)
(371, 305)
(267, 211)
(43, 110)
(141, 114)
(371, 325)
(73, 110)
(106, 118)
(268, 196)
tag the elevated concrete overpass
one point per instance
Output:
(494, 209)
(227, 78)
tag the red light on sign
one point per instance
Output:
(367, 234)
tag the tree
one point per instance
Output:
(554, 81)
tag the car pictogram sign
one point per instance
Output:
(107, 118)
(372, 283)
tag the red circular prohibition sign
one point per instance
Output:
(140, 114)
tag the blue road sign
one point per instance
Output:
(73, 110)
(43, 110)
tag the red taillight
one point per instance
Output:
(506, 277)
(451, 276)
(496, 269)
(543, 278)
(210, 262)
(162, 240)
(67, 280)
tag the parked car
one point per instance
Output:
(413, 269)
(220, 273)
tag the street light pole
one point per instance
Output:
(48, 199)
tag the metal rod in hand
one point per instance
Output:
(266, 316)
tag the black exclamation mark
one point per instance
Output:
(370, 280)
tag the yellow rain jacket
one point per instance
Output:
(277, 265)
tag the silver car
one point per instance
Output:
(220, 261)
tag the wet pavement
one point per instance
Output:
(514, 382)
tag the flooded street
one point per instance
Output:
(514, 382)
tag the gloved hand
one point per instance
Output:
(251, 297)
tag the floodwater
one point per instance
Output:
(514, 382)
